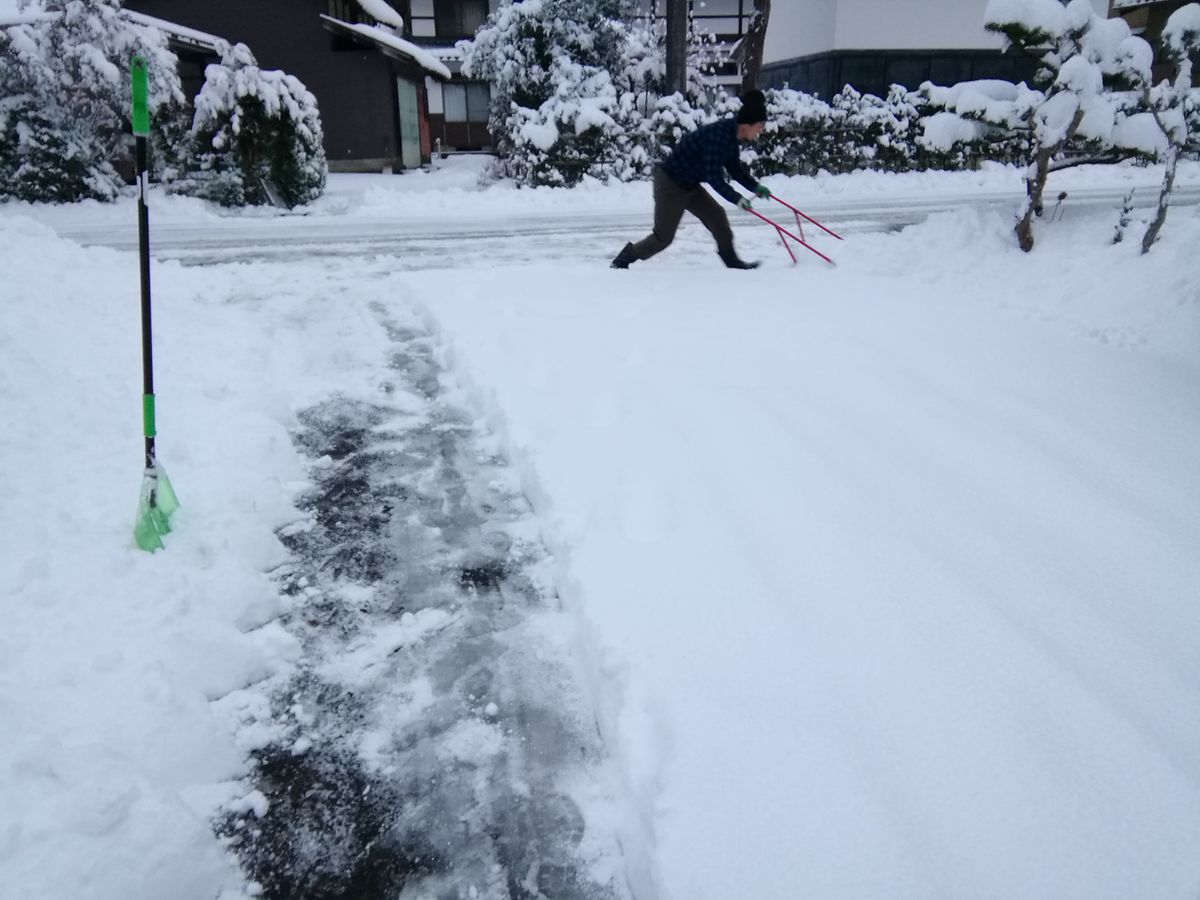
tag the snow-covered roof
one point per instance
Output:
(179, 32)
(1128, 4)
(381, 11)
(387, 41)
(12, 14)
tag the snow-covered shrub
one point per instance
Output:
(569, 136)
(802, 136)
(65, 84)
(256, 133)
(578, 89)
(551, 64)
(1082, 55)
(878, 131)
(976, 120)
(671, 117)
(653, 121)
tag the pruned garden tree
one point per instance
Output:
(1082, 56)
(1168, 103)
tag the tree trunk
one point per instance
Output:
(752, 45)
(677, 11)
(1035, 184)
(1164, 199)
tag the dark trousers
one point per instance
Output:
(671, 201)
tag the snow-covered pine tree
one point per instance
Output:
(256, 133)
(1167, 103)
(65, 83)
(1081, 53)
(552, 65)
(652, 120)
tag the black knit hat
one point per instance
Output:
(754, 108)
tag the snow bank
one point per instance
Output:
(109, 656)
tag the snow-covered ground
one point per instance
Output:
(879, 580)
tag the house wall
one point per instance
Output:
(912, 25)
(354, 88)
(799, 28)
(1148, 20)
(802, 27)
(818, 46)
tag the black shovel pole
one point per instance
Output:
(157, 500)
(147, 334)
(141, 132)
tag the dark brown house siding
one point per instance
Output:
(355, 86)
(1148, 20)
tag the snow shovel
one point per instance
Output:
(157, 500)
(784, 234)
(805, 215)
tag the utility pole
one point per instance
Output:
(677, 11)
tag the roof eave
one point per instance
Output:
(336, 26)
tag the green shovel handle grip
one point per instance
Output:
(141, 92)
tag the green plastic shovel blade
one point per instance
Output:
(156, 503)
(166, 499)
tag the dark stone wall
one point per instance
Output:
(874, 71)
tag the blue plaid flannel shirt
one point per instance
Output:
(705, 155)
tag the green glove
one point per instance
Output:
(744, 203)
(763, 191)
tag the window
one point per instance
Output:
(349, 11)
(421, 19)
(466, 102)
(459, 18)
(473, 14)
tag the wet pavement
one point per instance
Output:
(434, 739)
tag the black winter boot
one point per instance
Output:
(730, 258)
(624, 258)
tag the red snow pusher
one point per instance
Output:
(784, 234)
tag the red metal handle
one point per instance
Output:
(784, 231)
(809, 218)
